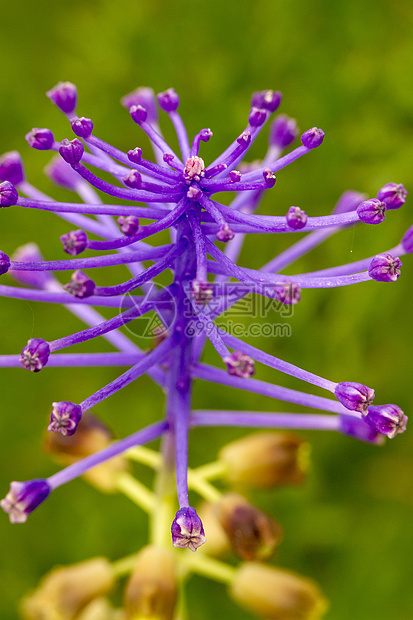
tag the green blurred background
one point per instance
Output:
(343, 65)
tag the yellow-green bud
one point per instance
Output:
(65, 591)
(253, 534)
(151, 592)
(277, 594)
(100, 609)
(218, 543)
(266, 459)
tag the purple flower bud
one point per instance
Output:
(354, 396)
(168, 158)
(269, 177)
(312, 137)
(244, 138)
(257, 117)
(288, 293)
(187, 529)
(393, 194)
(371, 211)
(40, 139)
(194, 169)
(205, 135)
(129, 224)
(385, 268)
(82, 126)
(235, 176)
(358, 429)
(35, 354)
(64, 418)
(267, 100)
(225, 234)
(11, 168)
(37, 279)
(144, 97)
(138, 113)
(8, 194)
(23, 498)
(64, 96)
(386, 419)
(407, 241)
(80, 285)
(193, 192)
(168, 100)
(240, 365)
(74, 242)
(71, 150)
(60, 173)
(135, 155)
(201, 292)
(4, 263)
(133, 179)
(283, 131)
(296, 218)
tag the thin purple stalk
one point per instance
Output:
(274, 362)
(154, 357)
(257, 419)
(209, 373)
(143, 436)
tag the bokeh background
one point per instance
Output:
(345, 66)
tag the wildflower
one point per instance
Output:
(178, 193)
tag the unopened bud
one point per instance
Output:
(385, 268)
(187, 529)
(312, 138)
(277, 594)
(253, 534)
(151, 592)
(288, 293)
(296, 218)
(257, 117)
(35, 354)
(64, 96)
(168, 100)
(82, 126)
(71, 150)
(240, 365)
(354, 396)
(74, 242)
(40, 139)
(393, 194)
(266, 459)
(144, 97)
(11, 168)
(65, 591)
(129, 224)
(386, 419)
(80, 285)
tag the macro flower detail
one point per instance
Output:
(23, 498)
(187, 529)
(182, 193)
(65, 418)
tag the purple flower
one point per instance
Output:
(40, 139)
(64, 418)
(183, 193)
(187, 529)
(23, 498)
(35, 354)
(386, 419)
(11, 168)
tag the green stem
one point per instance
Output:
(136, 491)
(216, 469)
(208, 567)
